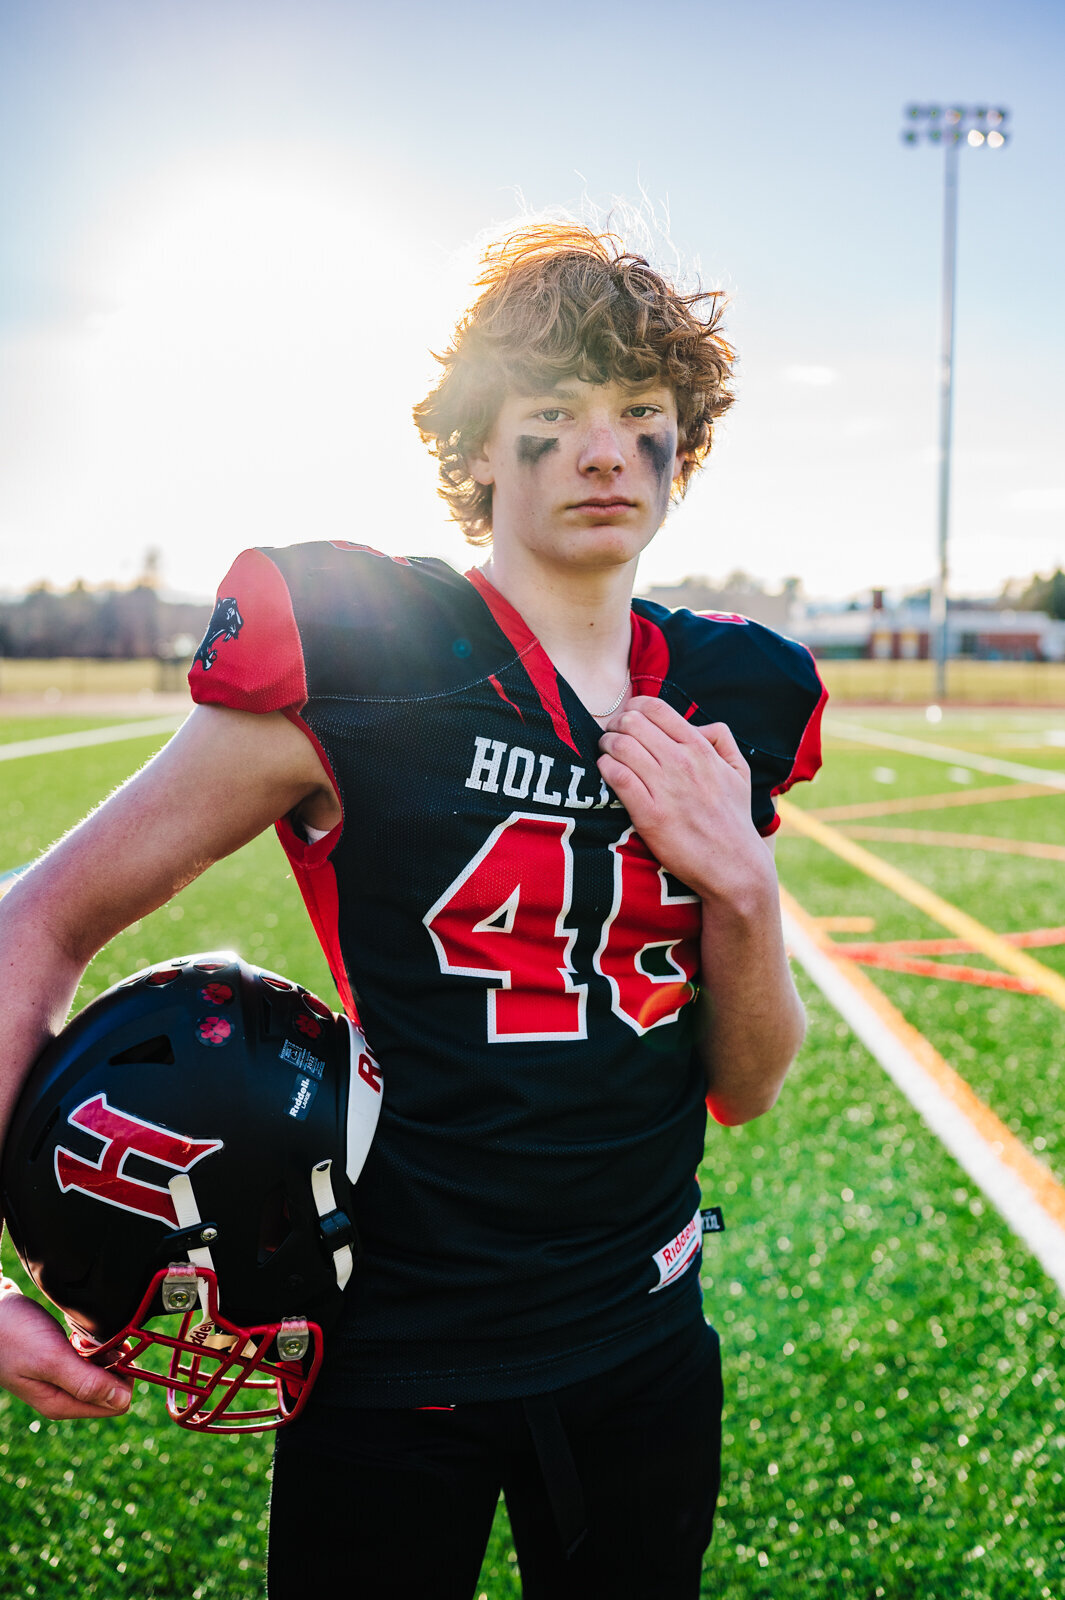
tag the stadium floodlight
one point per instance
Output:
(979, 127)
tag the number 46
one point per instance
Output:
(524, 872)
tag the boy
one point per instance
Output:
(524, 814)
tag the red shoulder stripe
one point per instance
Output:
(534, 657)
(648, 656)
(368, 549)
(317, 880)
(503, 695)
(808, 756)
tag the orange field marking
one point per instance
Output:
(910, 955)
(1043, 981)
(846, 924)
(982, 977)
(1039, 1182)
(1035, 939)
(958, 841)
(933, 802)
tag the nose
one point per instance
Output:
(601, 452)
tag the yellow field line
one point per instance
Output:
(1041, 979)
(1037, 1179)
(959, 841)
(932, 802)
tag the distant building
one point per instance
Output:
(879, 631)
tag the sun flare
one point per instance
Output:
(259, 336)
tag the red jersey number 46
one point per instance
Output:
(506, 918)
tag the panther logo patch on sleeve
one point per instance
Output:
(226, 622)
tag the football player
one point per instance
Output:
(530, 820)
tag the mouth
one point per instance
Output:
(611, 506)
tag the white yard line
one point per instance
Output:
(942, 752)
(1022, 1189)
(77, 741)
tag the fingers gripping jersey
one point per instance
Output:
(524, 968)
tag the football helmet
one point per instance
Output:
(189, 1145)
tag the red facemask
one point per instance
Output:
(221, 1378)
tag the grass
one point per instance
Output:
(135, 1507)
(75, 676)
(994, 683)
(896, 1419)
(15, 728)
(895, 1412)
(894, 1392)
(42, 796)
(966, 724)
(905, 683)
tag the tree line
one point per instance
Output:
(103, 624)
(1039, 594)
(126, 624)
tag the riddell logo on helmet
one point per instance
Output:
(124, 1135)
(369, 1071)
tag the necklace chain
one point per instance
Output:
(609, 712)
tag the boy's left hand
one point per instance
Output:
(688, 792)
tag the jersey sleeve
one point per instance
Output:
(251, 657)
(807, 762)
(722, 667)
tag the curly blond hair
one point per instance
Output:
(559, 301)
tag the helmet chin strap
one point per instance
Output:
(325, 1202)
(188, 1215)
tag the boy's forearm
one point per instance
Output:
(752, 1018)
(39, 978)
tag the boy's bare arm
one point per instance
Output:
(688, 791)
(223, 778)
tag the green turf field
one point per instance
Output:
(895, 1410)
(12, 728)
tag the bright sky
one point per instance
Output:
(231, 230)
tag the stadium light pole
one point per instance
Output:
(952, 127)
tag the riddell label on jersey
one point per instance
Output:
(302, 1097)
(302, 1059)
(677, 1256)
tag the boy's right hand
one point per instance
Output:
(39, 1365)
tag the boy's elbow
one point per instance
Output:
(733, 1112)
(752, 1096)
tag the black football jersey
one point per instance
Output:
(523, 968)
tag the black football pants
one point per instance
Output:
(610, 1485)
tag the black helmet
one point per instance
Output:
(189, 1143)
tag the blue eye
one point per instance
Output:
(550, 414)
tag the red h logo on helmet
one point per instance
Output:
(123, 1136)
